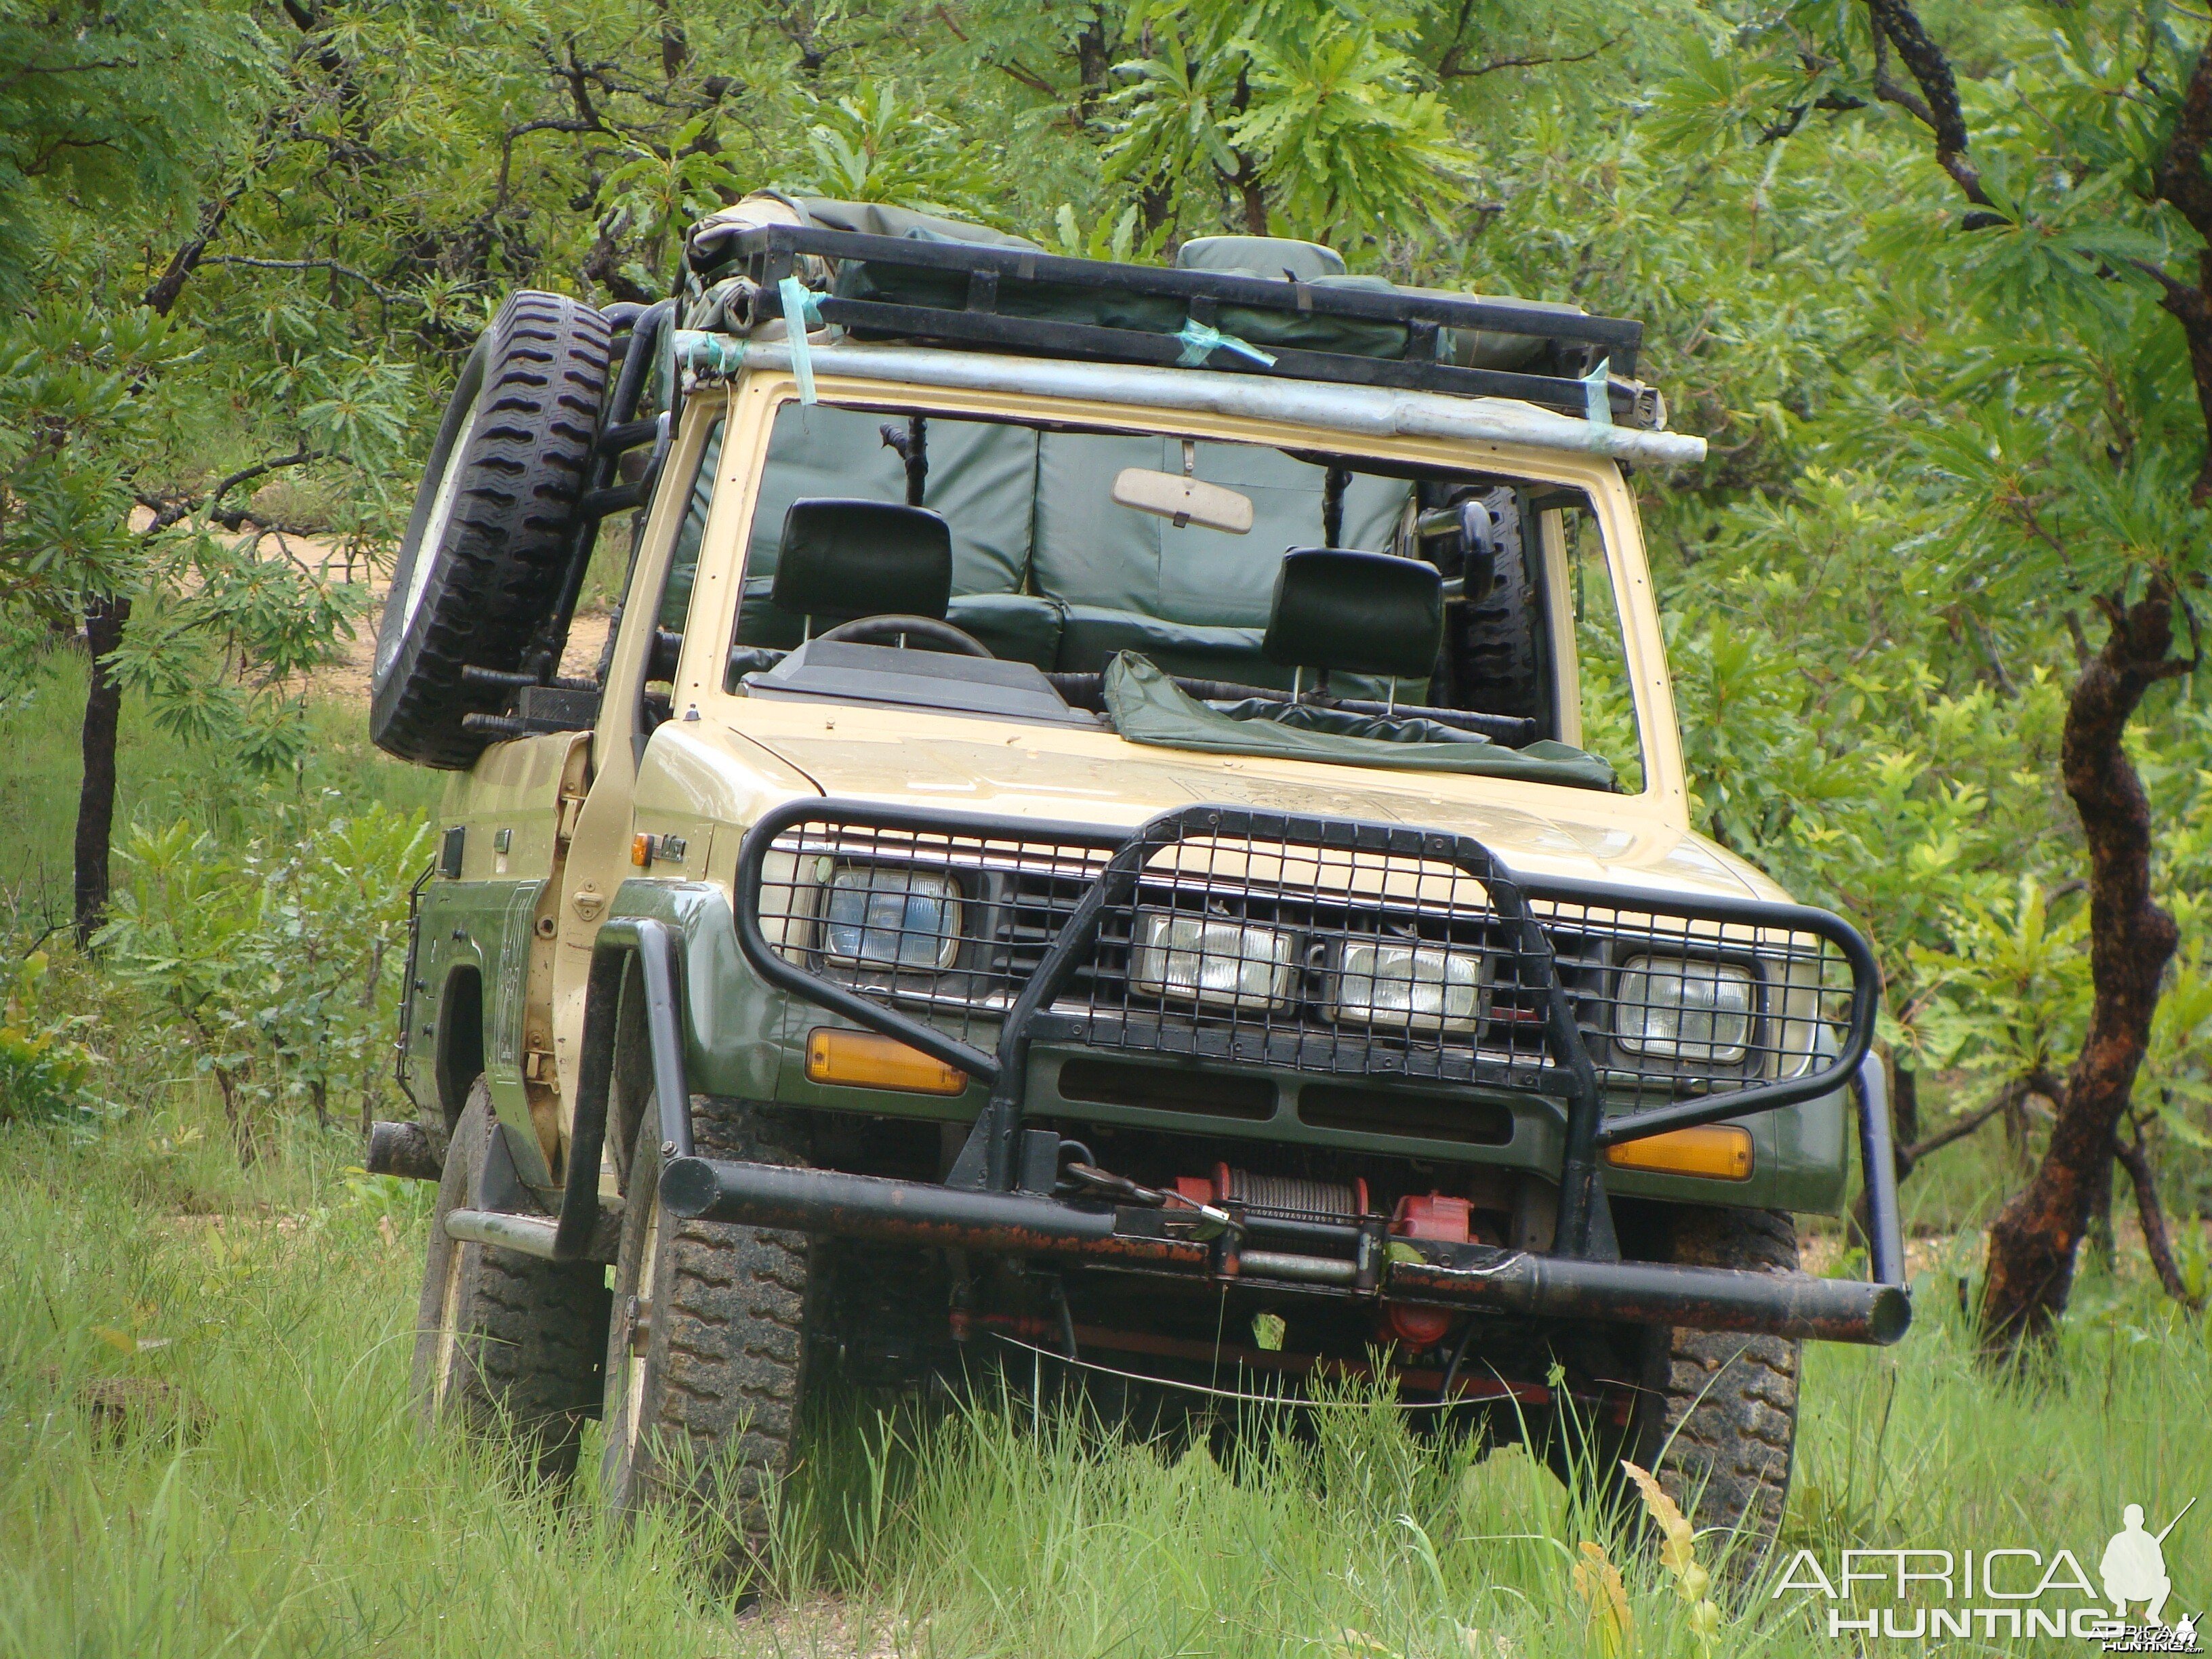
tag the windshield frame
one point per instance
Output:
(751, 405)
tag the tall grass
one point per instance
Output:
(160, 778)
(204, 1450)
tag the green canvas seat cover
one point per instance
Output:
(1373, 613)
(982, 477)
(843, 559)
(1146, 707)
(1013, 627)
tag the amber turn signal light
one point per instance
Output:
(867, 1060)
(1717, 1151)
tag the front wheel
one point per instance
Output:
(707, 1352)
(504, 1341)
(1716, 1418)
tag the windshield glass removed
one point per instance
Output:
(1365, 617)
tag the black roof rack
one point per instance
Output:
(1000, 290)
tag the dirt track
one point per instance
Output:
(350, 676)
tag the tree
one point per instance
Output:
(2063, 465)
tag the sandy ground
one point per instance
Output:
(350, 676)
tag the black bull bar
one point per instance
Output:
(994, 1201)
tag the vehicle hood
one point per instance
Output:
(1051, 775)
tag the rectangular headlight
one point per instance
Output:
(885, 916)
(1679, 1008)
(1192, 958)
(1410, 985)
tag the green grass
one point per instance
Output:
(160, 778)
(266, 1491)
(206, 1449)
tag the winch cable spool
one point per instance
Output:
(1289, 1195)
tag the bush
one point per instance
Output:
(273, 959)
(42, 1069)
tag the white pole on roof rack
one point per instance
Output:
(1370, 411)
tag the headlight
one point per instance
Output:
(1204, 959)
(1675, 1008)
(884, 916)
(1408, 985)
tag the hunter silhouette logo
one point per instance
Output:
(2134, 1567)
(1920, 1594)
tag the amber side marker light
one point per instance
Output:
(1717, 1151)
(867, 1060)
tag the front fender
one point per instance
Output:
(733, 1024)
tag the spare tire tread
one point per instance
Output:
(525, 448)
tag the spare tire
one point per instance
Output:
(1499, 646)
(480, 569)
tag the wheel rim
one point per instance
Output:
(634, 1362)
(449, 1319)
(426, 549)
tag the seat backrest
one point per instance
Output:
(982, 478)
(842, 559)
(1368, 613)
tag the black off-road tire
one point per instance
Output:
(480, 567)
(505, 1342)
(1716, 1418)
(707, 1351)
(1498, 650)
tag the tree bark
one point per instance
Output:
(2037, 1236)
(104, 622)
(2157, 1242)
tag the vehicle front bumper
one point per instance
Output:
(1316, 1258)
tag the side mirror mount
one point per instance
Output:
(1469, 550)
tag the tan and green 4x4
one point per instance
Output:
(1129, 817)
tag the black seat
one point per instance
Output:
(842, 560)
(1366, 613)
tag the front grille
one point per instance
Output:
(1352, 960)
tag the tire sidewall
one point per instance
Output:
(399, 631)
(443, 1372)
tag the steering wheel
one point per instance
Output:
(941, 635)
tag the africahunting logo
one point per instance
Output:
(2006, 1594)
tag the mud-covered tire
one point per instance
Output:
(1716, 1417)
(1499, 648)
(480, 567)
(505, 1342)
(707, 1350)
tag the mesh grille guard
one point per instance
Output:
(1317, 944)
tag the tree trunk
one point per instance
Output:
(2037, 1236)
(104, 622)
(2158, 1243)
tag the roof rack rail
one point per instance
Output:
(1003, 299)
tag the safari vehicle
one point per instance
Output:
(1130, 818)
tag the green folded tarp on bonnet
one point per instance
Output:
(1146, 707)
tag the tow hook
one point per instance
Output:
(1207, 1221)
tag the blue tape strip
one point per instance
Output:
(801, 312)
(1598, 401)
(1200, 341)
(708, 355)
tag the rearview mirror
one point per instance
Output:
(1184, 499)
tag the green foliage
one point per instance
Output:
(1310, 112)
(875, 145)
(43, 1068)
(273, 959)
